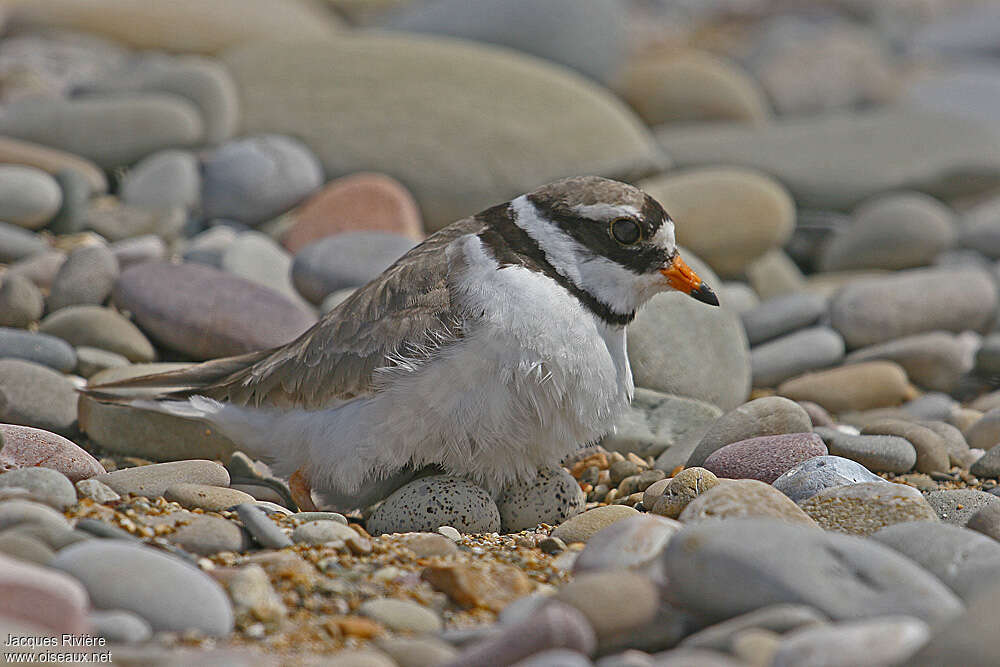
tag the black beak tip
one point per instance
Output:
(705, 294)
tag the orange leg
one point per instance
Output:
(301, 491)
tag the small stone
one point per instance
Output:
(450, 532)
(772, 415)
(154, 480)
(684, 487)
(615, 602)
(37, 348)
(207, 497)
(619, 470)
(21, 302)
(85, 278)
(36, 396)
(346, 260)
(744, 498)
(163, 180)
(958, 506)
(888, 640)
(322, 532)
(28, 197)
(985, 432)
(808, 478)
(99, 327)
(120, 626)
(427, 545)
(138, 249)
(764, 458)
(263, 529)
(865, 507)
(862, 386)
(935, 360)
(429, 502)
(17, 243)
(661, 425)
(17, 512)
(40, 268)
(472, 585)
(782, 315)
(99, 492)
(25, 447)
(879, 453)
(401, 615)
(986, 521)
(321, 516)
(25, 548)
(208, 535)
(932, 454)
(417, 651)
(77, 189)
(779, 618)
(792, 355)
(634, 543)
(552, 497)
(90, 361)
(582, 527)
(552, 546)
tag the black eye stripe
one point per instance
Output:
(626, 231)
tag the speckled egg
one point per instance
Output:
(552, 497)
(429, 502)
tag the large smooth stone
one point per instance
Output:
(38, 348)
(765, 458)
(794, 354)
(873, 384)
(932, 453)
(140, 124)
(360, 104)
(441, 500)
(934, 360)
(37, 396)
(970, 639)
(727, 216)
(175, 596)
(961, 558)
(881, 453)
(153, 480)
(85, 278)
(150, 435)
(360, 202)
(677, 345)
(26, 447)
(344, 261)
(723, 568)
(741, 499)
(185, 26)
(879, 641)
(897, 231)
(808, 478)
(864, 507)
(254, 179)
(635, 542)
(41, 598)
(259, 259)
(589, 35)
(207, 313)
(163, 180)
(838, 160)
(782, 315)
(103, 328)
(661, 425)
(28, 197)
(877, 310)
(771, 415)
(52, 161)
(691, 86)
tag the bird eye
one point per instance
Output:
(626, 231)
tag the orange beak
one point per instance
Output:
(680, 276)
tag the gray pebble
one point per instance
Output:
(35, 395)
(878, 453)
(957, 506)
(38, 348)
(345, 260)
(781, 315)
(822, 472)
(97, 491)
(85, 278)
(118, 625)
(794, 354)
(402, 615)
(322, 532)
(41, 484)
(17, 512)
(21, 302)
(76, 191)
(154, 480)
(266, 532)
(163, 180)
(208, 535)
(17, 243)
(91, 360)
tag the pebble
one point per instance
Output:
(285, 86)
(865, 507)
(809, 477)
(552, 497)
(42, 597)
(582, 527)
(207, 497)
(863, 386)
(426, 545)
(719, 569)
(163, 180)
(116, 221)
(91, 360)
(401, 615)
(349, 259)
(263, 529)
(103, 328)
(99, 492)
(878, 453)
(961, 558)
(779, 618)
(782, 315)
(25, 548)
(16, 512)
(37, 396)
(635, 542)
(792, 355)
(674, 494)
(206, 313)
(744, 498)
(691, 86)
(253, 179)
(771, 415)
(44, 485)
(175, 596)
(703, 658)
(988, 465)
(661, 425)
(934, 361)
(867, 312)
(85, 278)
(40, 268)
(985, 432)
(935, 408)
(765, 458)
(360, 202)
(775, 274)
(140, 123)
(256, 257)
(616, 603)
(52, 161)
(322, 532)
(986, 520)
(896, 231)
(29, 197)
(889, 640)
(728, 216)
(429, 502)
(154, 480)
(17, 243)
(120, 626)
(958, 506)
(208, 535)
(321, 516)
(76, 192)
(138, 249)
(847, 169)
(417, 651)
(253, 596)
(492, 586)
(932, 453)
(709, 359)
(37, 348)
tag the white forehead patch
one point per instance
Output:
(664, 236)
(605, 211)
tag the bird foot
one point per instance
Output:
(301, 491)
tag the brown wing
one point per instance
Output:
(402, 311)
